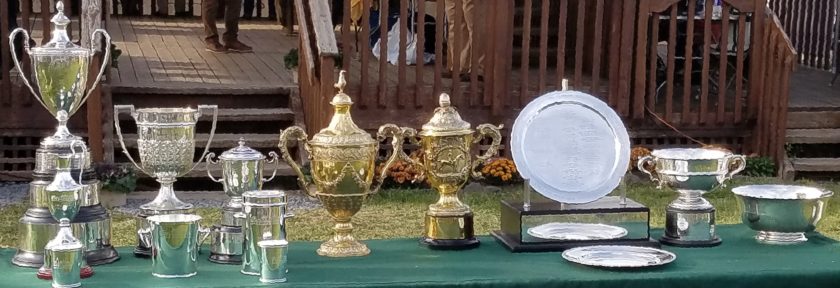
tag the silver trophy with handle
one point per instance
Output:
(60, 77)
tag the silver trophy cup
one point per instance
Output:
(59, 82)
(265, 219)
(64, 204)
(175, 240)
(166, 144)
(690, 219)
(242, 170)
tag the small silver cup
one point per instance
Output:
(66, 264)
(175, 241)
(274, 258)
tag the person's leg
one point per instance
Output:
(272, 9)
(467, 54)
(450, 43)
(231, 36)
(211, 34)
(248, 9)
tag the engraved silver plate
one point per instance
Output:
(609, 256)
(571, 146)
(577, 231)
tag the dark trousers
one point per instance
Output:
(249, 5)
(209, 9)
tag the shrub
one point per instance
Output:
(760, 167)
(116, 178)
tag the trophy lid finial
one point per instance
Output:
(446, 120)
(60, 19)
(60, 39)
(341, 98)
(241, 142)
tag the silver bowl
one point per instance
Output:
(781, 214)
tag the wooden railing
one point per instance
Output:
(22, 120)
(810, 27)
(316, 69)
(677, 80)
(778, 62)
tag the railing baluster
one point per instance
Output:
(598, 42)
(456, 53)
(707, 43)
(689, 58)
(579, 41)
(642, 41)
(525, 62)
(419, 93)
(543, 46)
(365, 52)
(739, 68)
(476, 50)
(5, 84)
(723, 47)
(652, 57)
(671, 63)
(383, 54)
(401, 92)
(561, 42)
(439, 31)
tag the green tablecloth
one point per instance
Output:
(738, 262)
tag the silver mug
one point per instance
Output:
(265, 219)
(175, 240)
(274, 259)
(66, 264)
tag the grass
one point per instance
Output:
(399, 213)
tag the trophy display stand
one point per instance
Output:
(518, 216)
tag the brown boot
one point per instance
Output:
(215, 47)
(237, 46)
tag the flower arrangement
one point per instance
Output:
(403, 174)
(117, 178)
(500, 171)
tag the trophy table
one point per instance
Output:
(60, 75)
(447, 165)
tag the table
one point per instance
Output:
(738, 262)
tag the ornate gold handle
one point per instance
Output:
(411, 135)
(396, 134)
(485, 130)
(296, 133)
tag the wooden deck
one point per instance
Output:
(169, 53)
(809, 91)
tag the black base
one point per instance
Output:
(225, 259)
(142, 252)
(450, 244)
(514, 245)
(689, 244)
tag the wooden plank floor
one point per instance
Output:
(809, 91)
(169, 53)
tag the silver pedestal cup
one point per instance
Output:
(166, 144)
(175, 240)
(690, 219)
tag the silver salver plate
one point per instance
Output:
(613, 256)
(571, 146)
(577, 231)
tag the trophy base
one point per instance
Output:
(450, 232)
(345, 248)
(516, 221)
(37, 227)
(46, 274)
(142, 252)
(225, 259)
(690, 228)
(450, 244)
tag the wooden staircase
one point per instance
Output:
(255, 115)
(813, 139)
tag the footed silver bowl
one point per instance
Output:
(781, 214)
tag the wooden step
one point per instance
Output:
(219, 140)
(816, 164)
(813, 136)
(813, 120)
(243, 114)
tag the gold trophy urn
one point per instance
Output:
(342, 157)
(447, 164)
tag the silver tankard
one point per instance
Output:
(242, 170)
(166, 144)
(175, 240)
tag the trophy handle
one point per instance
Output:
(73, 145)
(209, 160)
(411, 135)
(117, 110)
(741, 160)
(103, 66)
(274, 159)
(295, 133)
(494, 132)
(396, 134)
(648, 160)
(16, 61)
(203, 234)
(215, 109)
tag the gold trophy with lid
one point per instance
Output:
(343, 159)
(447, 164)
